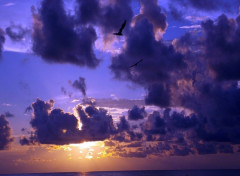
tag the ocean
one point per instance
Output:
(142, 173)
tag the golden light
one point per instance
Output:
(87, 150)
(85, 145)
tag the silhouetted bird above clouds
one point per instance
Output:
(121, 29)
(136, 63)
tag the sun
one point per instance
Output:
(88, 145)
(88, 150)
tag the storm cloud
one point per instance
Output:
(54, 126)
(56, 38)
(199, 73)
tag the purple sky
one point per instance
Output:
(68, 96)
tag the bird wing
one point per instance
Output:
(136, 63)
(133, 65)
(122, 27)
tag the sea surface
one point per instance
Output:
(142, 173)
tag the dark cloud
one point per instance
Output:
(97, 124)
(5, 133)
(197, 73)
(222, 47)
(126, 132)
(169, 125)
(108, 17)
(2, 40)
(8, 114)
(158, 94)
(181, 121)
(31, 140)
(153, 73)
(136, 113)
(177, 134)
(57, 39)
(214, 5)
(89, 11)
(123, 125)
(16, 32)
(24, 141)
(54, 126)
(80, 85)
(152, 11)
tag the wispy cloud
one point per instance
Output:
(190, 27)
(6, 104)
(9, 4)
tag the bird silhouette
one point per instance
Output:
(134, 65)
(121, 29)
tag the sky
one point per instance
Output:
(69, 101)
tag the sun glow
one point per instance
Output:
(87, 150)
(88, 145)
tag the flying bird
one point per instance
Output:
(121, 29)
(136, 63)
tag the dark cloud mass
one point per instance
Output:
(54, 126)
(2, 40)
(81, 85)
(199, 73)
(153, 73)
(222, 47)
(57, 39)
(5, 133)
